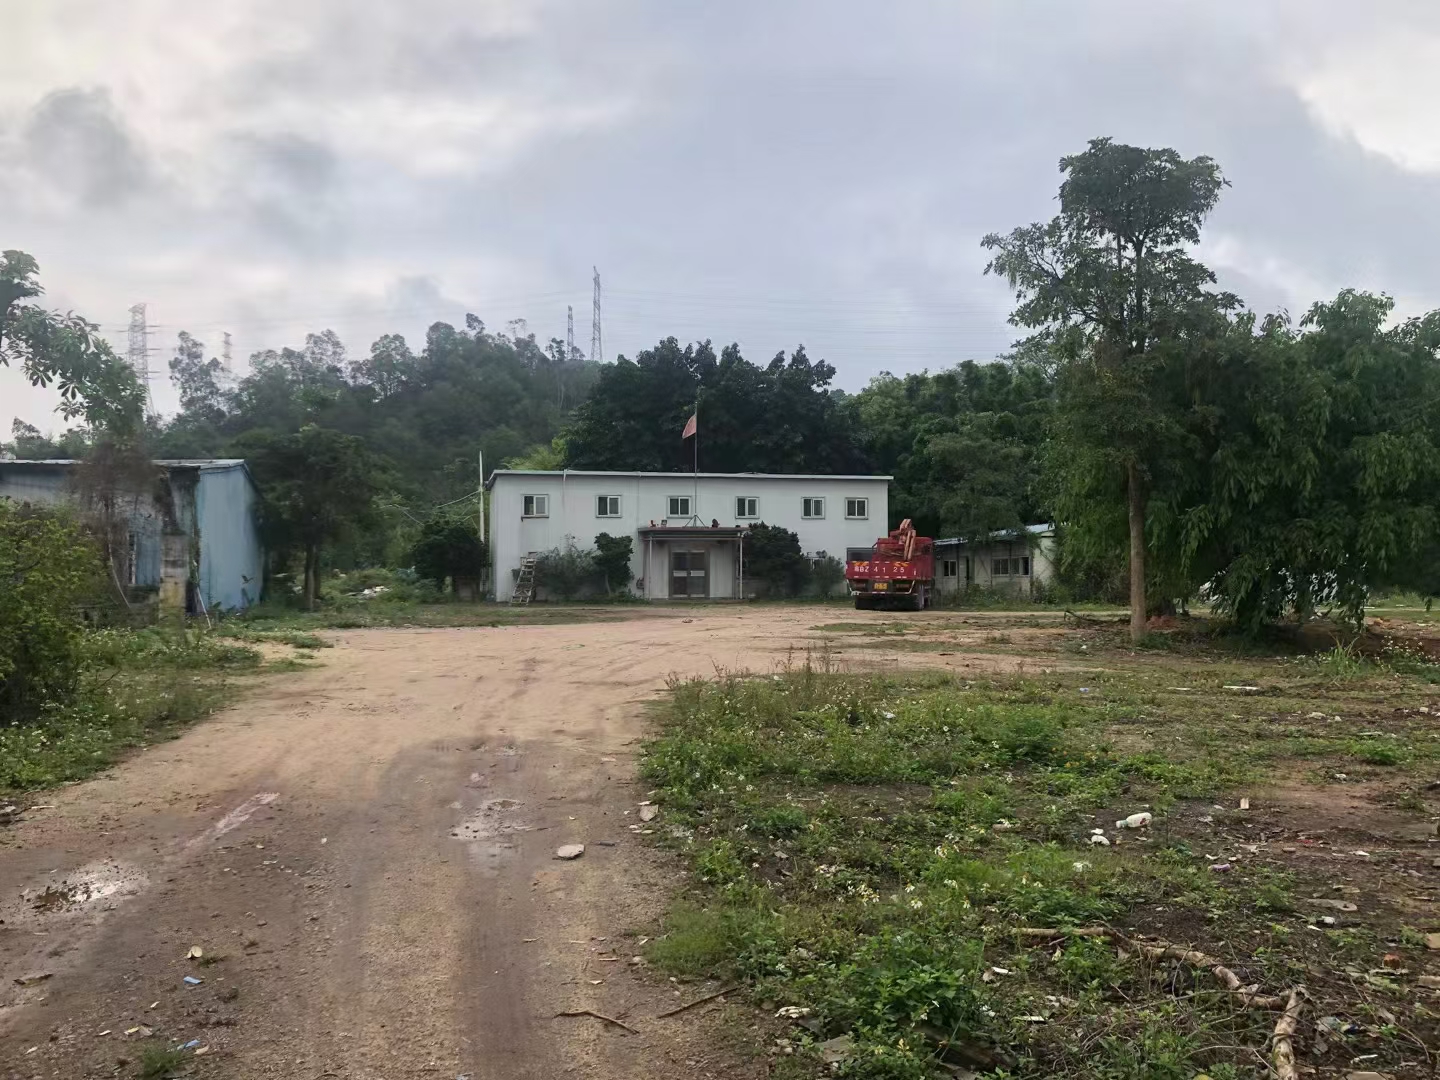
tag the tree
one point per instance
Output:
(65, 351)
(202, 397)
(48, 567)
(449, 547)
(1113, 291)
(316, 486)
(773, 558)
(612, 560)
(780, 418)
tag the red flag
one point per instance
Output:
(690, 427)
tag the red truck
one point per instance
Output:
(900, 571)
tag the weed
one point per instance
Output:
(158, 1061)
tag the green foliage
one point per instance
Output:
(159, 1060)
(779, 418)
(49, 566)
(565, 572)
(65, 351)
(1123, 310)
(316, 486)
(773, 559)
(826, 575)
(449, 548)
(612, 561)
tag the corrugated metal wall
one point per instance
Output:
(231, 558)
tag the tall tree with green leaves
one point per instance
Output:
(1112, 291)
(316, 486)
(65, 351)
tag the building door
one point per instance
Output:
(688, 573)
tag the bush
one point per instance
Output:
(826, 575)
(612, 561)
(774, 560)
(449, 548)
(564, 572)
(49, 566)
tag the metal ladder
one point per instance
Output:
(525, 584)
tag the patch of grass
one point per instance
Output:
(138, 686)
(159, 1060)
(863, 847)
(381, 612)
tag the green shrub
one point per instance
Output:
(49, 566)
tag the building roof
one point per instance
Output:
(1004, 534)
(188, 463)
(682, 475)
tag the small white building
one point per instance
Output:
(1021, 562)
(689, 529)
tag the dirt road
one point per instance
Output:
(365, 851)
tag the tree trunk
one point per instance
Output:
(1137, 553)
(312, 576)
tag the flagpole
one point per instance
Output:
(697, 457)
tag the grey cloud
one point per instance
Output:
(75, 140)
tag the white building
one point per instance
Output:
(1021, 562)
(689, 530)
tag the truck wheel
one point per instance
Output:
(863, 603)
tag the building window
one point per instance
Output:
(747, 507)
(812, 508)
(607, 505)
(1018, 566)
(949, 567)
(857, 508)
(679, 506)
(537, 506)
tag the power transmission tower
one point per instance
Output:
(138, 352)
(596, 352)
(569, 333)
(227, 364)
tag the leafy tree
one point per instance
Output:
(612, 560)
(773, 558)
(779, 418)
(1325, 446)
(549, 456)
(48, 567)
(316, 486)
(449, 547)
(65, 351)
(198, 380)
(1111, 288)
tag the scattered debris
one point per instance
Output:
(1430, 982)
(9, 814)
(570, 851)
(648, 812)
(697, 1001)
(833, 1051)
(1338, 905)
(1100, 838)
(1243, 689)
(33, 980)
(1220, 867)
(1245, 804)
(195, 953)
(598, 1016)
(792, 1012)
(191, 980)
(1282, 1050)
(1432, 941)
(1135, 821)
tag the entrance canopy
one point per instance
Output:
(692, 532)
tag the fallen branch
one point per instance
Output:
(698, 1001)
(1283, 1050)
(598, 1016)
(1291, 1003)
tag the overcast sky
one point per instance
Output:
(765, 172)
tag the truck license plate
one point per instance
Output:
(881, 586)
